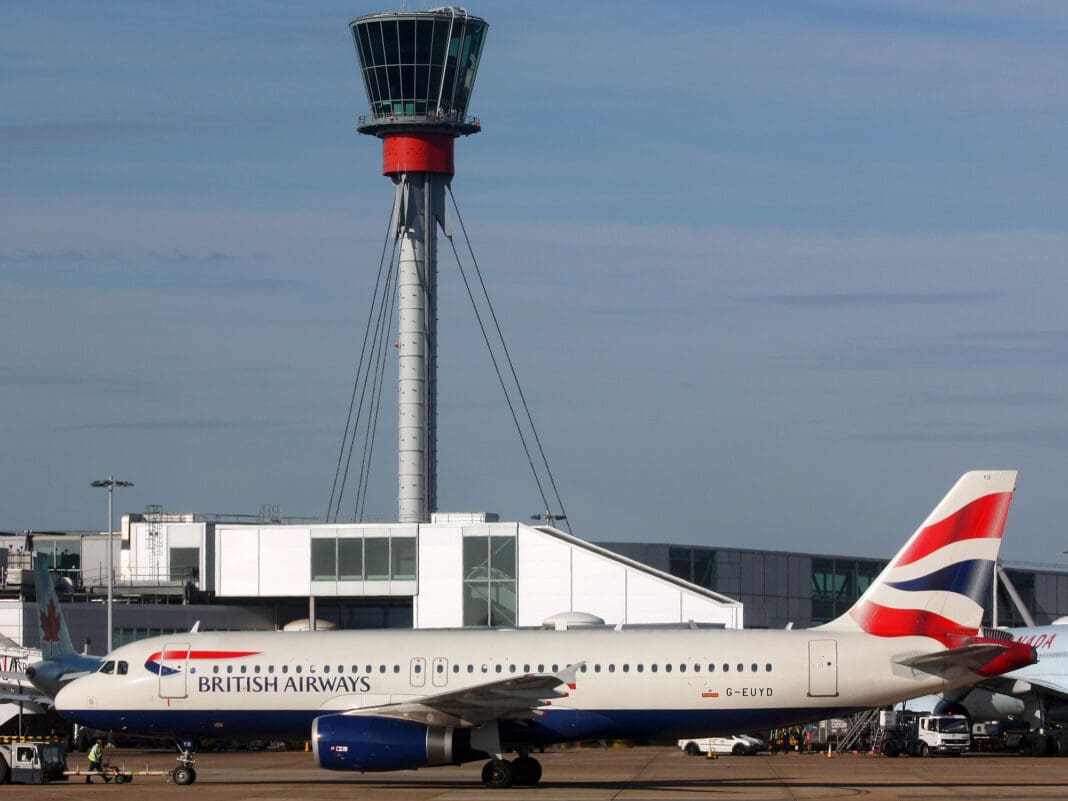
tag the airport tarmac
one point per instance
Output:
(594, 774)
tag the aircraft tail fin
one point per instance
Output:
(938, 582)
(55, 639)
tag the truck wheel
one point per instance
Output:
(891, 748)
(4, 773)
(692, 749)
(925, 750)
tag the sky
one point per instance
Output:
(773, 274)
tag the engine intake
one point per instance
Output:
(355, 742)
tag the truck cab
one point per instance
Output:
(943, 734)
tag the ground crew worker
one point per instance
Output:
(96, 761)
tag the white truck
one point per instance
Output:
(916, 734)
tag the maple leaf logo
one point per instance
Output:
(50, 623)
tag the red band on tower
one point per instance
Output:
(418, 152)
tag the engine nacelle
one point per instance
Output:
(356, 742)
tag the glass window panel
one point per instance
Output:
(402, 558)
(393, 78)
(185, 564)
(502, 603)
(680, 563)
(389, 42)
(502, 558)
(424, 34)
(476, 558)
(704, 569)
(324, 559)
(376, 34)
(422, 79)
(350, 559)
(406, 37)
(376, 558)
(476, 604)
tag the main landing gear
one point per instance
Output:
(523, 771)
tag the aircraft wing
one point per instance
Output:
(514, 698)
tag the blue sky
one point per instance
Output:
(773, 273)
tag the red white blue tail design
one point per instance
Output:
(937, 584)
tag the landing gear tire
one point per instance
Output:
(183, 775)
(498, 774)
(526, 771)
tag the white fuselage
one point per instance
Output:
(634, 683)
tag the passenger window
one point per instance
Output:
(498, 668)
(711, 668)
(653, 667)
(455, 668)
(244, 668)
(726, 668)
(753, 667)
(123, 667)
(626, 668)
(741, 667)
(485, 668)
(556, 668)
(470, 668)
(256, 669)
(270, 669)
(641, 668)
(299, 668)
(396, 668)
(214, 668)
(340, 668)
(541, 668)
(596, 668)
(326, 668)
(526, 668)
(511, 668)
(439, 667)
(230, 669)
(767, 667)
(108, 667)
(611, 668)
(370, 669)
(696, 668)
(418, 668)
(285, 668)
(382, 668)
(583, 668)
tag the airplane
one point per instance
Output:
(59, 662)
(402, 699)
(1037, 694)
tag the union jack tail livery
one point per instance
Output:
(936, 585)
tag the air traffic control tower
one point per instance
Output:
(419, 71)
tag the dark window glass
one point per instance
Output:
(324, 559)
(350, 559)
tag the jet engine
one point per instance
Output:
(367, 743)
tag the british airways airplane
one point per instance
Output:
(394, 700)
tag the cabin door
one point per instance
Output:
(173, 661)
(822, 667)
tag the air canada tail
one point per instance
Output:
(936, 585)
(55, 639)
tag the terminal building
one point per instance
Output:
(172, 571)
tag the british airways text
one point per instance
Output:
(275, 684)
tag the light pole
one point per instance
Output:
(110, 482)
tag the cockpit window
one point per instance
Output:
(123, 667)
(108, 667)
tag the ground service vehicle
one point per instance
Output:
(738, 745)
(917, 734)
(31, 762)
